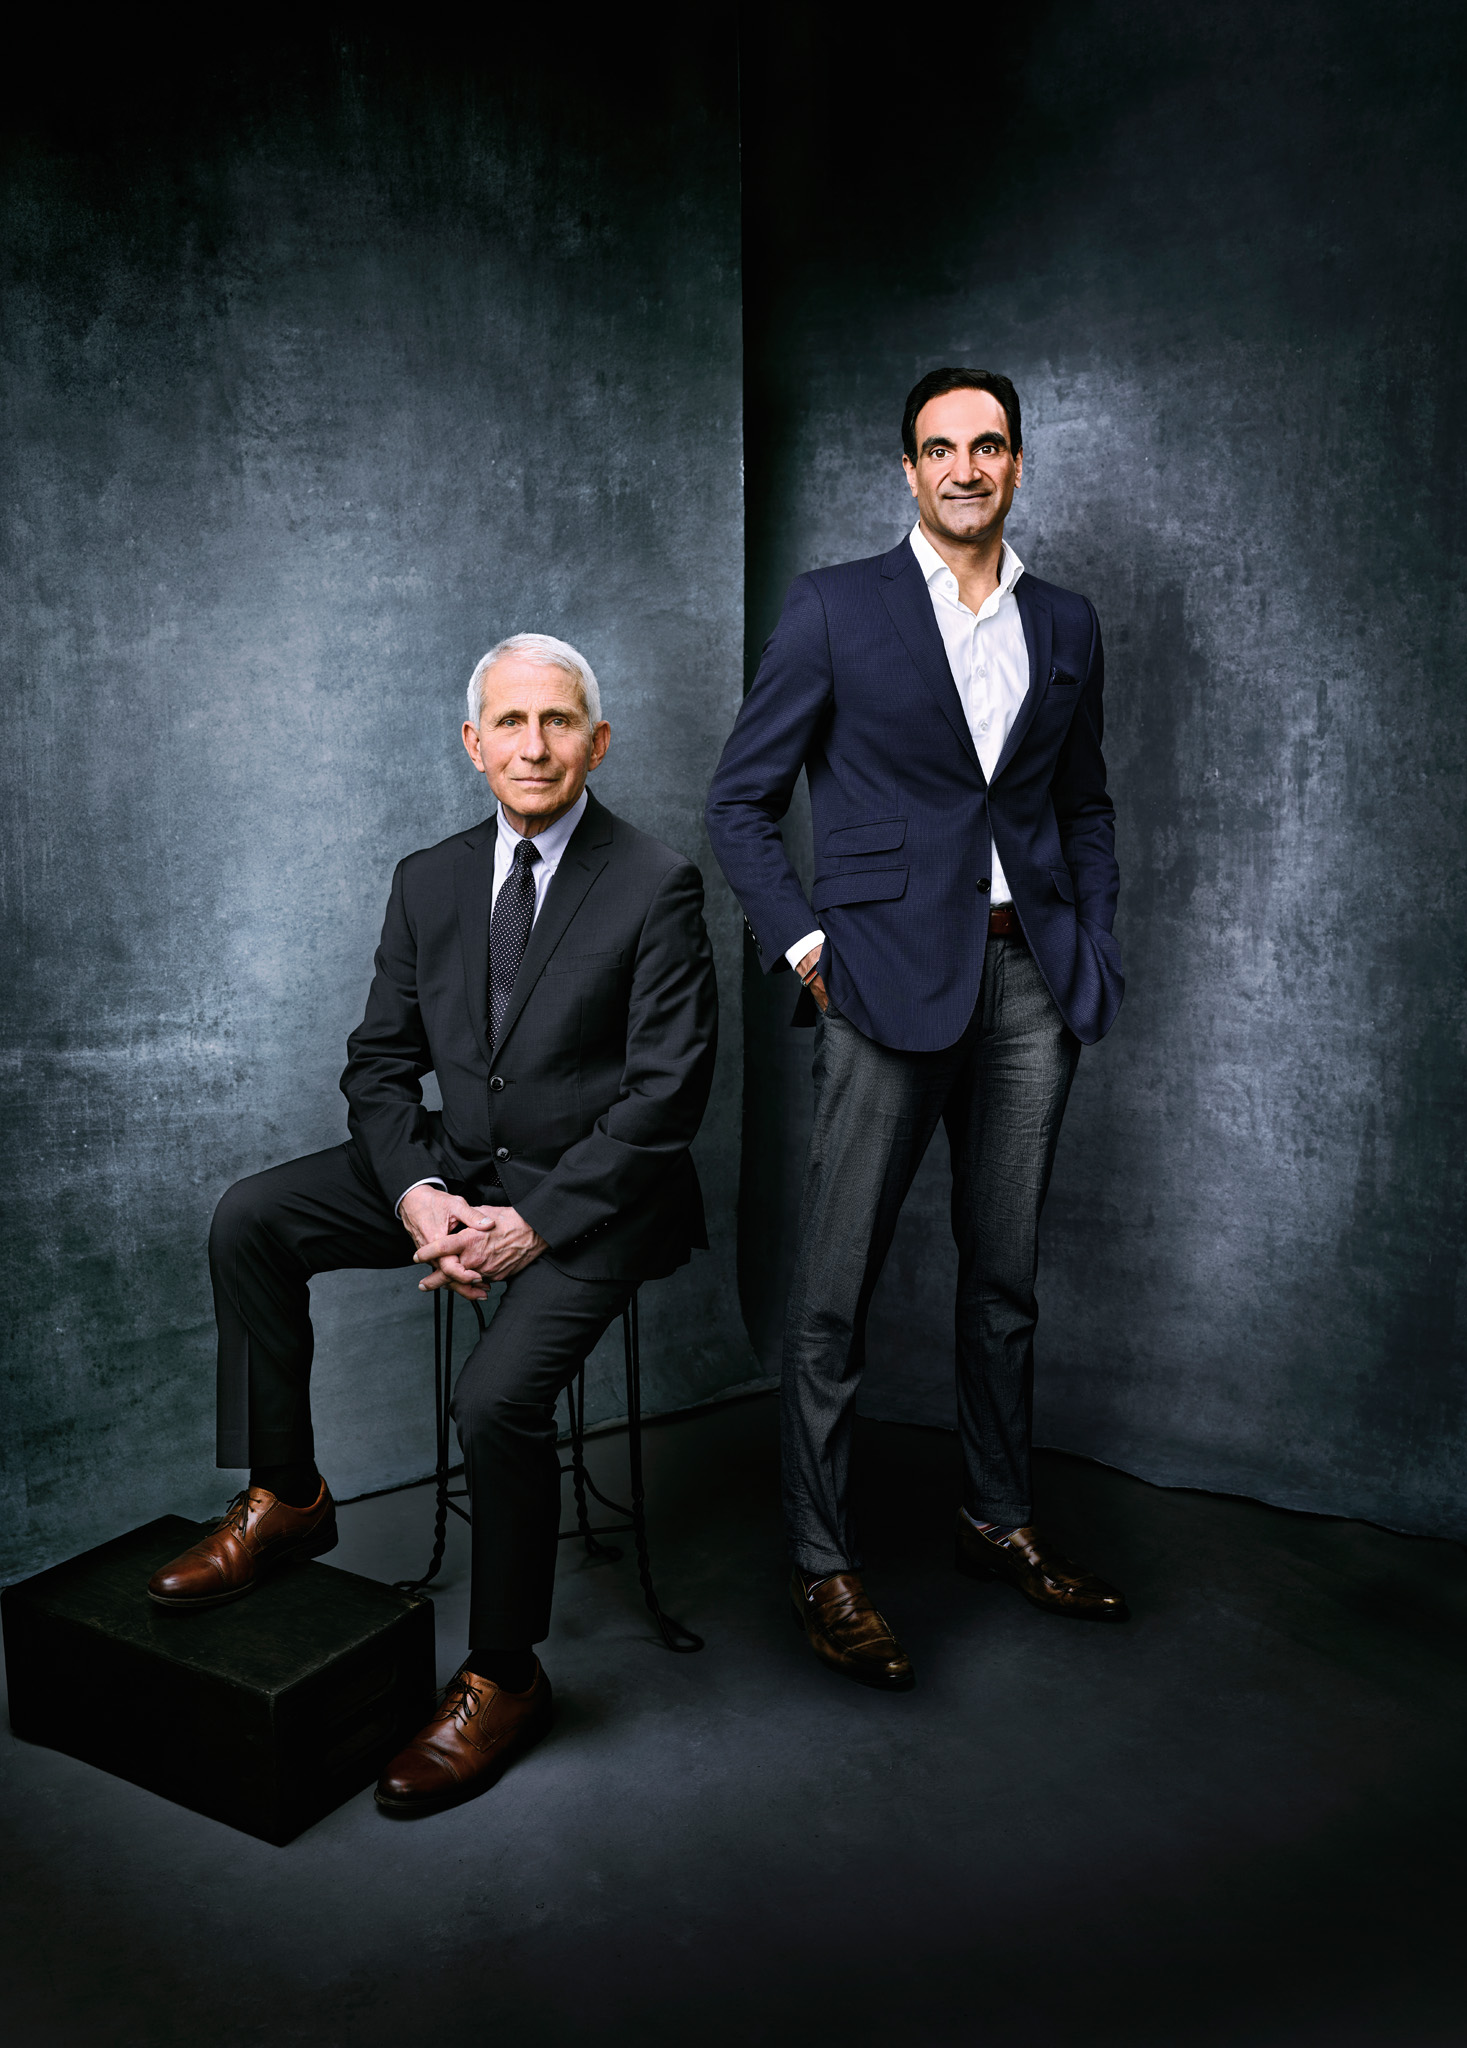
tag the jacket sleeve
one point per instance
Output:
(790, 699)
(386, 1058)
(672, 1037)
(1082, 805)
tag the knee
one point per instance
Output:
(241, 1216)
(490, 1412)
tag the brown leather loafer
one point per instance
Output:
(1041, 1573)
(846, 1632)
(477, 1732)
(257, 1534)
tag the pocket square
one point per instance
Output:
(1065, 682)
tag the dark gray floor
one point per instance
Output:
(1237, 1821)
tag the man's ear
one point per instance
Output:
(600, 741)
(911, 469)
(471, 746)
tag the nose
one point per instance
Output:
(533, 745)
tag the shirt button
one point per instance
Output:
(503, 1152)
(496, 1082)
(984, 886)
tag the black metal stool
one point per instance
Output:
(634, 1518)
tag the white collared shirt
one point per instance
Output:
(989, 658)
(550, 845)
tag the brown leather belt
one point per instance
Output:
(1003, 923)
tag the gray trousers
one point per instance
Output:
(1001, 1092)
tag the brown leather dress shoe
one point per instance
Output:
(257, 1534)
(477, 1732)
(1041, 1573)
(846, 1632)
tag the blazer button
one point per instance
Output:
(502, 1153)
(496, 1082)
(985, 885)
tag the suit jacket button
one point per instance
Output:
(502, 1153)
(985, 885)
(496, 1082)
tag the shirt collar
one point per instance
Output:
(553, 841)
(934, 568)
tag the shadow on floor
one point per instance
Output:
(1235, 1822)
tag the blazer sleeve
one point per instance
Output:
(386, 1058)
(672, 1037)
(1082, 805)
(790, 699)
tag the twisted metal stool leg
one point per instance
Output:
(443, 1435)
(672, 1632)
(575, 1401)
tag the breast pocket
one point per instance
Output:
(587, 964)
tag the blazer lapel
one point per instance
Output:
(580, 864)
(473, 884)
(910, 604)
(1037, 635)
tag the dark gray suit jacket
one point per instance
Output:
(601, 1075)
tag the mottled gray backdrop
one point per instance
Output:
(317, 384)
(327, 361)
(1221, 252)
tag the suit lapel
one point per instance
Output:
(580, 864)
(910, 604)
(473, 886)
(1037, 635)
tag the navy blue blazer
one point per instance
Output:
(855, 688)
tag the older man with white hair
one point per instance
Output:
(552, 969)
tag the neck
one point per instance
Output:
(531, 826)
(977, 564)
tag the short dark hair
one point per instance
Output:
(936, 382)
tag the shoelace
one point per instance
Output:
(460, 1700)
(237, 1512)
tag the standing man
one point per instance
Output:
(946, 709)
(551, 967)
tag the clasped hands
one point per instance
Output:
(466, 1248)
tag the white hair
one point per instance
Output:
(552, 653)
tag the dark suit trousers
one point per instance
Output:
(322, 1213)
(1001, 1092)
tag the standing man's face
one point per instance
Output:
(966, 473)
(534, 744)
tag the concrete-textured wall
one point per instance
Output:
(326, 365)
(1220, 250)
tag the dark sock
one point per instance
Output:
(511, 1670)
(297, 1485)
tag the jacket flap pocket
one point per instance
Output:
(1064, 882)
(864, 885)
(882, 836)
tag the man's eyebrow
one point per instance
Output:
(951, 441)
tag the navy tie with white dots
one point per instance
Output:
(509, 932)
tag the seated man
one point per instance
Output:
(551, 967)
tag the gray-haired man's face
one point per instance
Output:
(534, 744)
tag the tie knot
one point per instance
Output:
(526, 854)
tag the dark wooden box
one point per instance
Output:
(265, 1714)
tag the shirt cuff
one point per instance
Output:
(425, 1183)
(796, 953)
